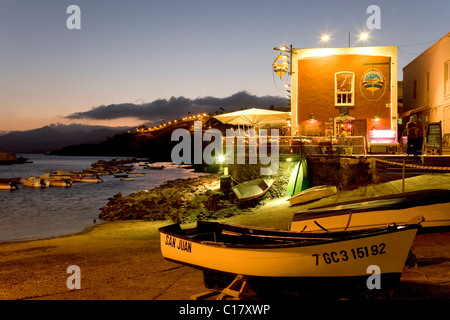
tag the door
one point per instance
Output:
(359, 127)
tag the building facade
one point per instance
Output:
(426, 87)
(344, 89)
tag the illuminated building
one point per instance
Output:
(353, 88)
(426, 87)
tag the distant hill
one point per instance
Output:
(154, 145)
(54, 137)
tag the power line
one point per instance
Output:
(417, 44)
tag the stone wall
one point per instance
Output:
(343, 173)
(338, 171)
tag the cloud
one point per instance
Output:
(163, 109)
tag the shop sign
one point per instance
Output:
(373, 85)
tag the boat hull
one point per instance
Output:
(433, 205)
(60, 183)
(9, 180)
(252, 189)
(347, 257)
(312, 194)
(35, 182)
(86, 179)
(5, 186)
(299, 179)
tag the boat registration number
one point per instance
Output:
(355, 253)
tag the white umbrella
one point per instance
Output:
(254, 117)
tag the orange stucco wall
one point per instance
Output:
(316, 91)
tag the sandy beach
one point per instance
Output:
(121, 260)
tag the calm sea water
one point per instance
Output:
(29, 214)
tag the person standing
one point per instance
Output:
(412, 130)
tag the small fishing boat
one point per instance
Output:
(83, 179)
(259, 253)
(252, 189)
(5, 186)
(126, 179)
(312, 194)
(59, 175)
(9, 180)
(8, 186)
(154, 167)
(61, 183)
(8, 158)
(35, 182)
(120, 175)
(433, 205)
(140, 174)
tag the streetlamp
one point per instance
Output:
(325, 38)
(363, 36)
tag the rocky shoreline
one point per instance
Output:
(181, 200)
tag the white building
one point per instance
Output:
(426, 87)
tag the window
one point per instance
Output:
(344, 88)
(447, 77)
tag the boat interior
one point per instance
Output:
(213, 233)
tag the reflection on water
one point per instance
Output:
(27, 213)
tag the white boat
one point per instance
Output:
(252, 189)
(433, 205)
(35, 182)
(258, 253)
(312, 194)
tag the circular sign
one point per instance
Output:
(373, 85)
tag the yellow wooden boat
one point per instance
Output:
(35, 182)
(61, 183)
(126, 179)
(258, 253)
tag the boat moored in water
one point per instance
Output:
(9, 186)
(152, 167)
(9, 180)
(35, 182)
(8, 158)
(432, 204)
(61, 183)
(84, 179)
(121, 175)
(126, 179)
(258, 253)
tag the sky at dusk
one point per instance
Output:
(136, 51)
